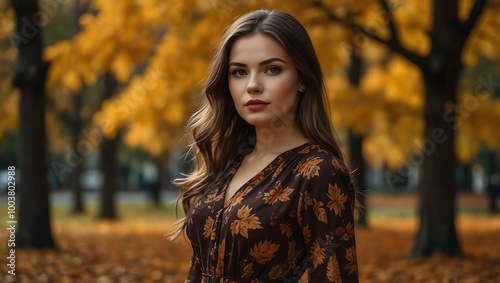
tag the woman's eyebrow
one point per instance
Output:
(265, 62)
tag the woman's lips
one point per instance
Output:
(255, 104)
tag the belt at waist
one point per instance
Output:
(208, 278)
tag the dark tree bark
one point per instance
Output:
(493, 186)
(465, 181)
(77, 125)
(76, 129)
(358, 164)
(441, 70)
(437, 184)
(436, 181)
(155, 188)
(355, 145)
(34, 215)
(108, 152)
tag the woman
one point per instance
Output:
(270, 196)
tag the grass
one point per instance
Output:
(61, 214)
(166, 213)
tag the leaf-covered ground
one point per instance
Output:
(134, 249)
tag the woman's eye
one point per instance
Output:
(239, 73)
(273, 70)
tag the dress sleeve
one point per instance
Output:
(194, 274)
(325, 214)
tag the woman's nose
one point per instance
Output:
(254, 85)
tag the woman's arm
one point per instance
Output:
(194, 274)
(325, 213)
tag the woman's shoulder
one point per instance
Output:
(315, 154)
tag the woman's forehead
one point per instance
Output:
(256, 48)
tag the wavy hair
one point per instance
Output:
(219, 133)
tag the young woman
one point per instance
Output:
(270, 196)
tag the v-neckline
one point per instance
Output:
(237, 166)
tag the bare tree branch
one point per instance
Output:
(474, 14)
(390, 22)
(393, 43)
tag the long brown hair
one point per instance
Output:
(218, 132)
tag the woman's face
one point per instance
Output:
(263, 81)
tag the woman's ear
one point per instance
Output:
(302, 87)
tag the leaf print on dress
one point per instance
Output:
(220, 258)
(308, 199)
(246, 221)
(276, 272)
(306, 232)
(310, 167)
(292, 253)
(263, 252)
(338, 165)
(277, 194)
(317, 253)
(350, 230)
(247, 270)
(333, 270)
(209, 228)
(279, 168)
(214, 197)
(257, 178)
(237, 198)
(337, 199)
(320, 211)
(350, 255)
(286, 229)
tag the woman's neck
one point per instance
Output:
(275, 140)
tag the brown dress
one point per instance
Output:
(294, 215)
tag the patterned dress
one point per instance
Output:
(294, 215)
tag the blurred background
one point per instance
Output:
(95, 94)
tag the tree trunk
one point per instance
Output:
(108, 153)
(358, 165)
(154, 187)
(76, 129)
(437, 157)
(76, 125)
(34, 215)
(356, 144)
(436, 186)
(493, 183)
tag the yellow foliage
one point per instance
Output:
(478, 118)
(8, 112)
(484, 38)
(57, 142)
(9, 97)
(172, 42)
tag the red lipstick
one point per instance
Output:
(255, 104)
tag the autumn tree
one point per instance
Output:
(34, 219)
(414, 52)
(355, 142)
(440, 67)
(76, 123)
